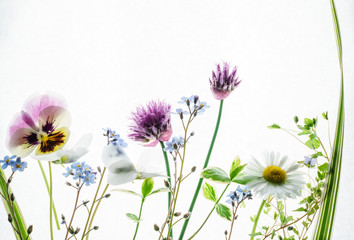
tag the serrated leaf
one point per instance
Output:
(147, 187)
(215, 174)
(323, 167)
(235, 163)
(240, 179)
(223, 211)
(160, 190)
(209, 192)
(132, 216)
(127, 191)
(274, 126)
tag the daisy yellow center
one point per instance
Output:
(274, 174)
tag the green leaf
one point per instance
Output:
(313, 144)
(164, 189)
(325, 115)
(215, 174)
(323, 167)
(209, 192)
(127, 191)
(300, 210)
(305, 132)
(132, 216)
(255, 234)
(240, 179)
(313, 136)
(296, 119)
(147, 187)
(235, 163)
(223, 211)
(308, 122)
(274, 126)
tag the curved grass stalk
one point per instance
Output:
(326, 218)
(257, 217)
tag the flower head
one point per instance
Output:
(151, 124)
(82, 172)
(18, 165)
(176, 143)
(278, 177)
(7, 161)
(42, 124)
(223, 82)
(239, 195)
(114, 138)
(310, 162)
(195, 106)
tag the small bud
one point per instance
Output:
(177, 214)
(62, 217)
(71, 230)
(9, 218)
(290, 228)
(233, 203)
(69, 184)
(188, 102)
(193, 169)
(192, 133)
(12, 197)
(77, 184)
(196, 98)
(85, 202)
(296, 119)
(95, 228)
(187, 215)
(325, 115)
(30, 229)
(181, 115)
(77, 231)
(167, 184)
(236, 217)
(107, 195)
(225, 232)
(99, 169)
(9, 180)
(156, 228)
(175, 146)
(168, 221)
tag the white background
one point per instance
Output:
(107, 57)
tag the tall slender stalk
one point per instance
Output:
(257, 217)
(50, 201)
(327, 212)
(137, 225)
(93, 204)
(196, 193)
(168, 172)
(47, 185)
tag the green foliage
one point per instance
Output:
(127, 191)
(209, 192)
(274, 126)
(132, 217)
(236, 168)
(223, 211)
(215, 174)
(147, 187)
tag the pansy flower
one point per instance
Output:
(42, 125)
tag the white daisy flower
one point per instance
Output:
(277, 178)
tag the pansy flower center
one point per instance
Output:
(274, 174)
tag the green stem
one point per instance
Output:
(168, 172)
(51, 201)
(205, 165)
(93, 204)
(212, 210)
(326, 218)
(96, 208)
(257, 217)
(137, 225)
(47, 185)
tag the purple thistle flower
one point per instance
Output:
(223, 82)
(151, 124)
